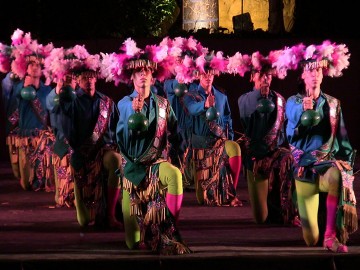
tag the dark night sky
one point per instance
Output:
(78, 19)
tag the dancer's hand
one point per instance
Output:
(210, 101)
(28, 81)
(138, 103)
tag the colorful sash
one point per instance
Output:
(147, 198)
(135, 171)
(89, 178)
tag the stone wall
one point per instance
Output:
(259, 12)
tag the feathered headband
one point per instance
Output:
(272, 63)
(331, 57)
(79, 60)
(118, 67)
(72, 61)
(26, 50)
(278, 62)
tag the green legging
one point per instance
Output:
(258, 188)
(24, 169)
(14, 160)
(232, 149)
(308, 203)
(170, 177)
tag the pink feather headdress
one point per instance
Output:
(332, 57)
(239, 64)
(71, 61)
(181, 56)
(260, 62)
(286, 59)
(214, 63)
(26, 50)
(242, 63)
(336, 56)
(113, 65)
(278, 62)
(118, 67)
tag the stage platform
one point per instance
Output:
(36, 235)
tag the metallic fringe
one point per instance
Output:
(91, 186)
(142, 195)
(157, 229)
(156, 213)
(350, 221)
(350, 218)
(65, 180)
(347, 211)
(174, 247)
(35, 148)
(139, 63)
(207, 165)
(11, 143)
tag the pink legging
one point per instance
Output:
(308, 204)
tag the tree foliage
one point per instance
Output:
(80, 19)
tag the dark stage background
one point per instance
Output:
(67, 23)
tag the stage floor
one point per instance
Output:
(36, 235)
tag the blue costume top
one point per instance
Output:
(29, 121)
(6, 89)
(257, 125)
(7, 86)
(134, 148)
(317, 146)
(80, 120)
(60, 146)
(194, 102)
(55, 119)
(183, 117)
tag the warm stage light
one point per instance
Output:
(213, 15)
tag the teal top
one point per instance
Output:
(133, 146)
(306, 140)
(29, 122)
(7, 86)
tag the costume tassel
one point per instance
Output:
(350, 218)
